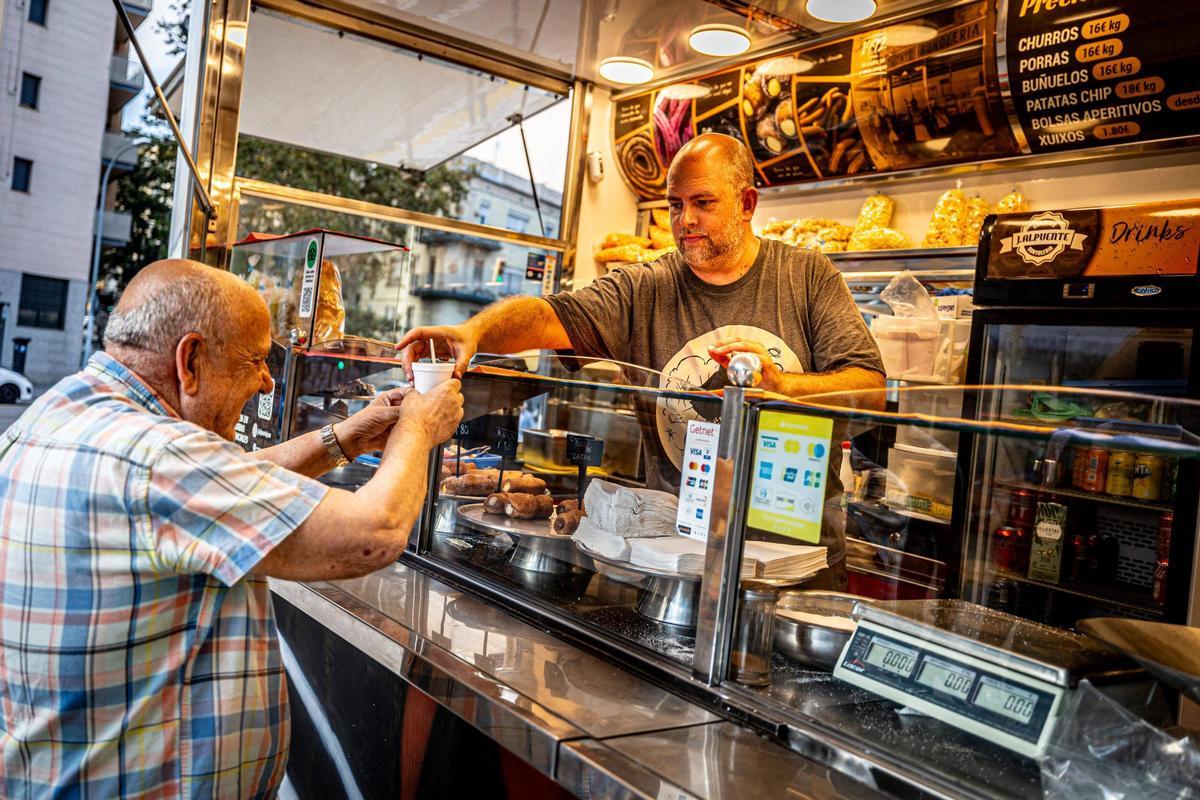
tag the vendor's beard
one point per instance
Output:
(709, 255)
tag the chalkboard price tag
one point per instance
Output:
(505, 445)
(584, 451)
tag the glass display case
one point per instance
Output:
(328, 295)
(541, 434)
(697, 535)
(981, 685)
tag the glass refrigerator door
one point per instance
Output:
(1079, 523)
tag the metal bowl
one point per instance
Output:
(812, 643)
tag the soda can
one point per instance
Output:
(1003, 544)
(1120, 473)
(1078, 467)
(1147, 477)
(1022, 508)
(1095, 472)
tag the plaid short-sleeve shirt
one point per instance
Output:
(138, 656)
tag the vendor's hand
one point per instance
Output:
(434, 415)
(448, 339)
(368, 429)
(771, 374)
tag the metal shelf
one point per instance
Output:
(932, 263)
(1108, 594)
(1092, 497)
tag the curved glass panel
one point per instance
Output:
(981, 527)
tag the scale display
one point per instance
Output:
(988, 700)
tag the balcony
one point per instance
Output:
(137, 10)
(125, 80)
(118, 226)
(111, 148)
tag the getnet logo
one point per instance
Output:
(1043, 238)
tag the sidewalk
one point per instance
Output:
(9, 414)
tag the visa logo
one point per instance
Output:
(696, 451)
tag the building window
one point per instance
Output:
(481, 213)
(43, 302)
(31, 87)
(517, 222)
(22, 174)
(37, 11)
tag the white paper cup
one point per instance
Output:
(426, 375)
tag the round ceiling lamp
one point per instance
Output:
(787, 65)
(626, 69)
(841, 10)
(718, 39)
(686, 91)
(908, 34)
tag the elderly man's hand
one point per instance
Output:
(435, 414)
(771, 374)
(368, 429)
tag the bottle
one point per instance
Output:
(1046, 552)
(1080, 558)
(846, 475)
(1162, 564)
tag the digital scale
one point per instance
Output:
(991, 674)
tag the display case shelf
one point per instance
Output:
(1091, 497)
(1108, 594)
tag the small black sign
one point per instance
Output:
(584, 451)
(505, 445)
(471, 430)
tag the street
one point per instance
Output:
(9, 414)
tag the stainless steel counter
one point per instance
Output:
(596, 729)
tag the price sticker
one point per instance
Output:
(584, 451)
(471, 430)
(505, 444)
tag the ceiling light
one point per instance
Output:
(841, 10)
(626, 69)
(788, 65)
(908, 34)
(686, 91)
(719, 40)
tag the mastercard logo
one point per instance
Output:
(692, 465)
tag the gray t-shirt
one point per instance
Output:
(661, 316)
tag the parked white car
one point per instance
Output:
(14, 387)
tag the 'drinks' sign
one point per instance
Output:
(1085, 73)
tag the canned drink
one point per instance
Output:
(1022, 508)
(1170, 479)
(1003, 545)
(1078, 467)
(1165, 523)
(1147, 477)
(1120, 473)
(1095, 472)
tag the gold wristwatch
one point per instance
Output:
(332, 447)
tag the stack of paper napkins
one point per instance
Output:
(631, 512)
(608, 544)
(676, 554)
(775, 560)
(617, 513)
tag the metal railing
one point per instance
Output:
(118, 227)
(126, 72)
(114, 147)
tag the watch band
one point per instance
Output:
(332, 447)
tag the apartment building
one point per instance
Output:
(68, 71)
(456, 275)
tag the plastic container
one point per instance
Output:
(921, 480)
(927, 350)
(945, 404)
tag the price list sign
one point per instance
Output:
(1084, 73)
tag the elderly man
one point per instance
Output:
(723, 291)
(139, 653)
